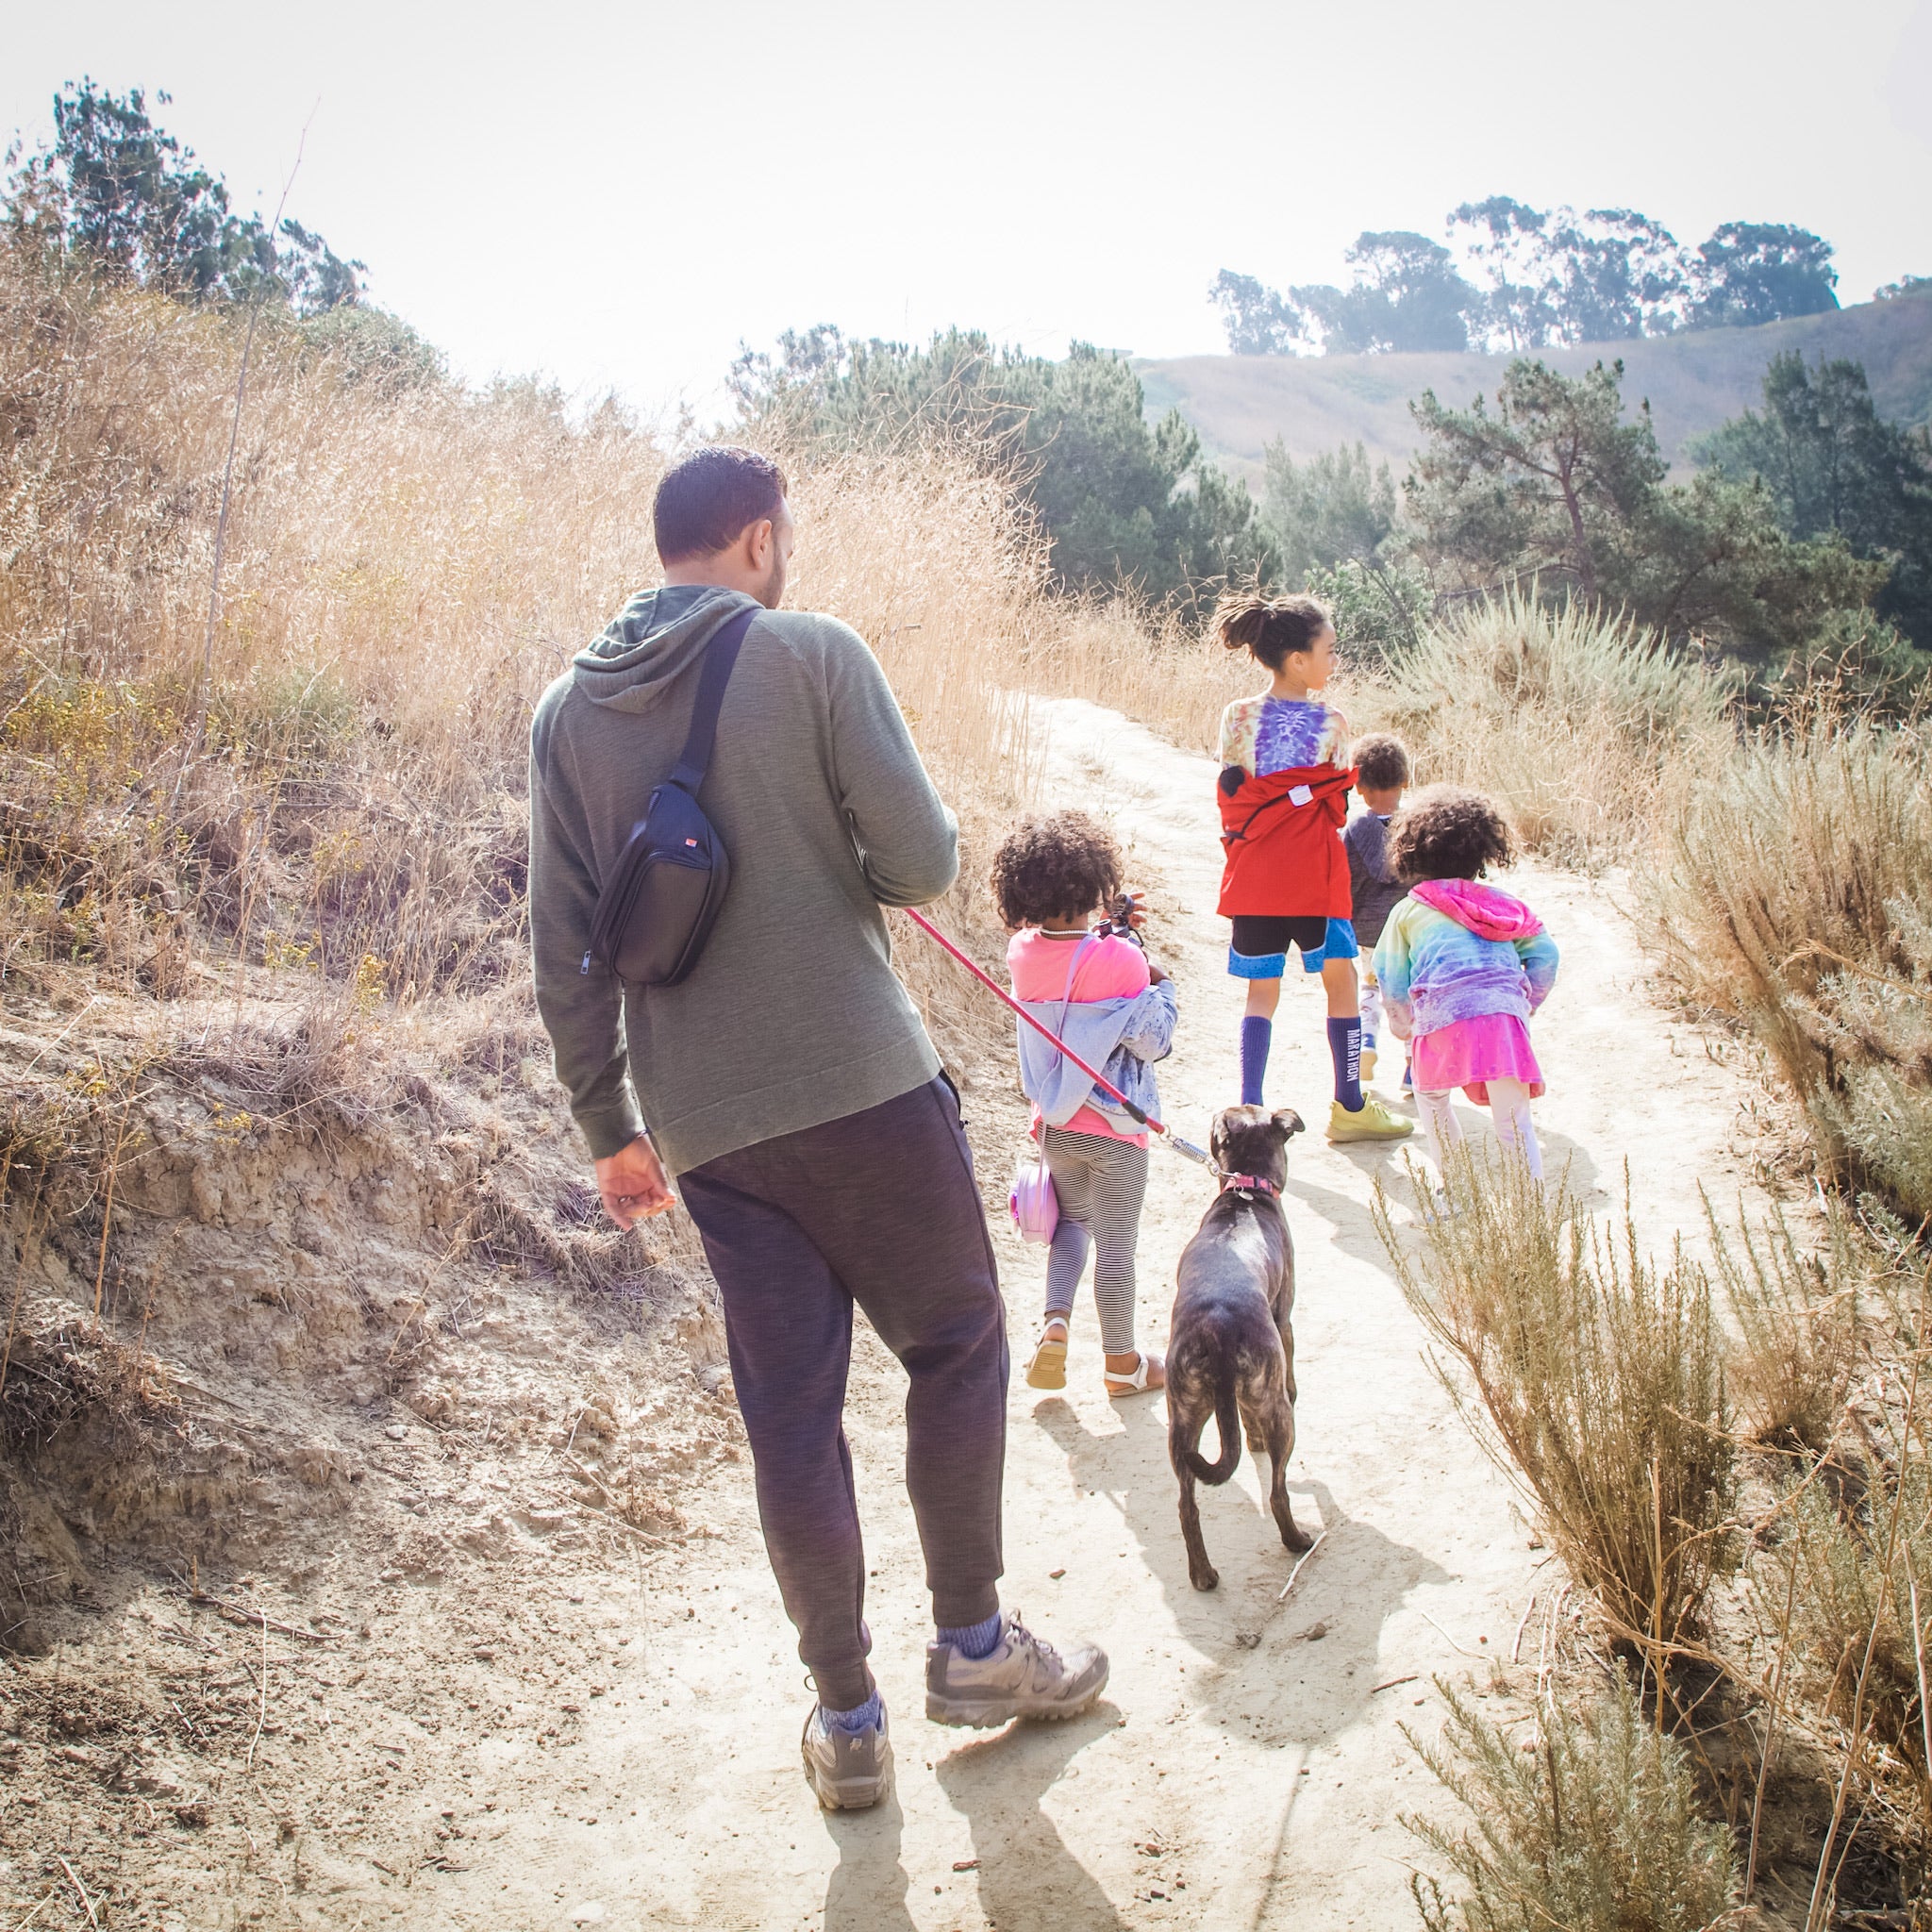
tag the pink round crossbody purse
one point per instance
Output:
(1031, 1200)
(1034, 1206)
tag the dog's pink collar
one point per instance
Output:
(1248, 1184)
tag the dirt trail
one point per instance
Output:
(1244, 1768)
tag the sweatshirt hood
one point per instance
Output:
(650, 640)
(1479, 908)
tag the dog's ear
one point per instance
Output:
(1287, 1122)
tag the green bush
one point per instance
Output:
(1595, 1830)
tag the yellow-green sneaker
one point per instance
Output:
(1374, 1122)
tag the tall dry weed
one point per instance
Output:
(1797, 1316)
(1598, 1383)
(1578, 722)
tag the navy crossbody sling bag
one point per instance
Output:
(663, 896)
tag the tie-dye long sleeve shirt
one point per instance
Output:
(1434, 970)
(1268, 734)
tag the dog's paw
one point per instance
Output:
(1297, 1538)
(1205, 1578)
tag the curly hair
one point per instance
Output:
(1271, 629)
(1381, 762)
(1446, 832)
(1061, 867)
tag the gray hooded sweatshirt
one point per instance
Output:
(793, 1015)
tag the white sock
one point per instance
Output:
(1438, 1118)
(1372, 1013)
(1515, 1129)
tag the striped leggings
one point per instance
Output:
(1101, 1184)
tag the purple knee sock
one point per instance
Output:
(1345, 1046)
(1255, 1035)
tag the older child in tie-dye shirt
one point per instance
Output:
(1284, 799)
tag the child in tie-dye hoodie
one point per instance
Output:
(1462, 966)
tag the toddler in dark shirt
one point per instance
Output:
(1381, 762)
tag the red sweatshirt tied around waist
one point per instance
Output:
(1282, 835)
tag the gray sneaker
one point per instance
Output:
(849, 1770)
(1023, 1677)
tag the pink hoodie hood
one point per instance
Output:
(1479, 908)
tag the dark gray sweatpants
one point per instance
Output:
(879, 1208)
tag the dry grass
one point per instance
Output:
(1579, 725)
(1595, 1830)
(405, 570)
(1797, 1315)
(1599, 1378)
(1790, 899)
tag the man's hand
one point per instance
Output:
(1156, 974)
(632, 1184)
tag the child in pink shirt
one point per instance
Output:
(1095, 990)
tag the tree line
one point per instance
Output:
(1803, 538)
(116, 196)
(1123, 503)
(1801, 547)
(1517, 278)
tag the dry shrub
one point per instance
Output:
(407, 567)
(1595, 1830)
(310, 1070)
(1575, 722)
(64, 1371)
(1856, 1569)
(1856, 1560)
(1600, 1379)
(1792, 899)
(1797, 1314)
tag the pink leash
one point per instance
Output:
(1185, 1148)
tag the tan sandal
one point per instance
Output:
(1139, 1382)
(1048, 1368)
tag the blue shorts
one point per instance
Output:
(1260, 944)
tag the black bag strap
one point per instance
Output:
(721, 654)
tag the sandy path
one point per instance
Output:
(1244, 1768)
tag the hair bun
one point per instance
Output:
(1273, 628)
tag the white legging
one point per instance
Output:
(1370, 1007)
(1508, 1108)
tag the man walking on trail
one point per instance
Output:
(790, 1088)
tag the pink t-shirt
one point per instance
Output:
(1113, 969)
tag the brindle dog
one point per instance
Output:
(1231, 1351)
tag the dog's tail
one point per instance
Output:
(1228, 1424)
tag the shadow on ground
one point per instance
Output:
(1276, 1673)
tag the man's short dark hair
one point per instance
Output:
(706, 503)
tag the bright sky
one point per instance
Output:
(618, 193)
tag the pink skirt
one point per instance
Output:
(1471, 1053)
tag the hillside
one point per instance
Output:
(1692, 382)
